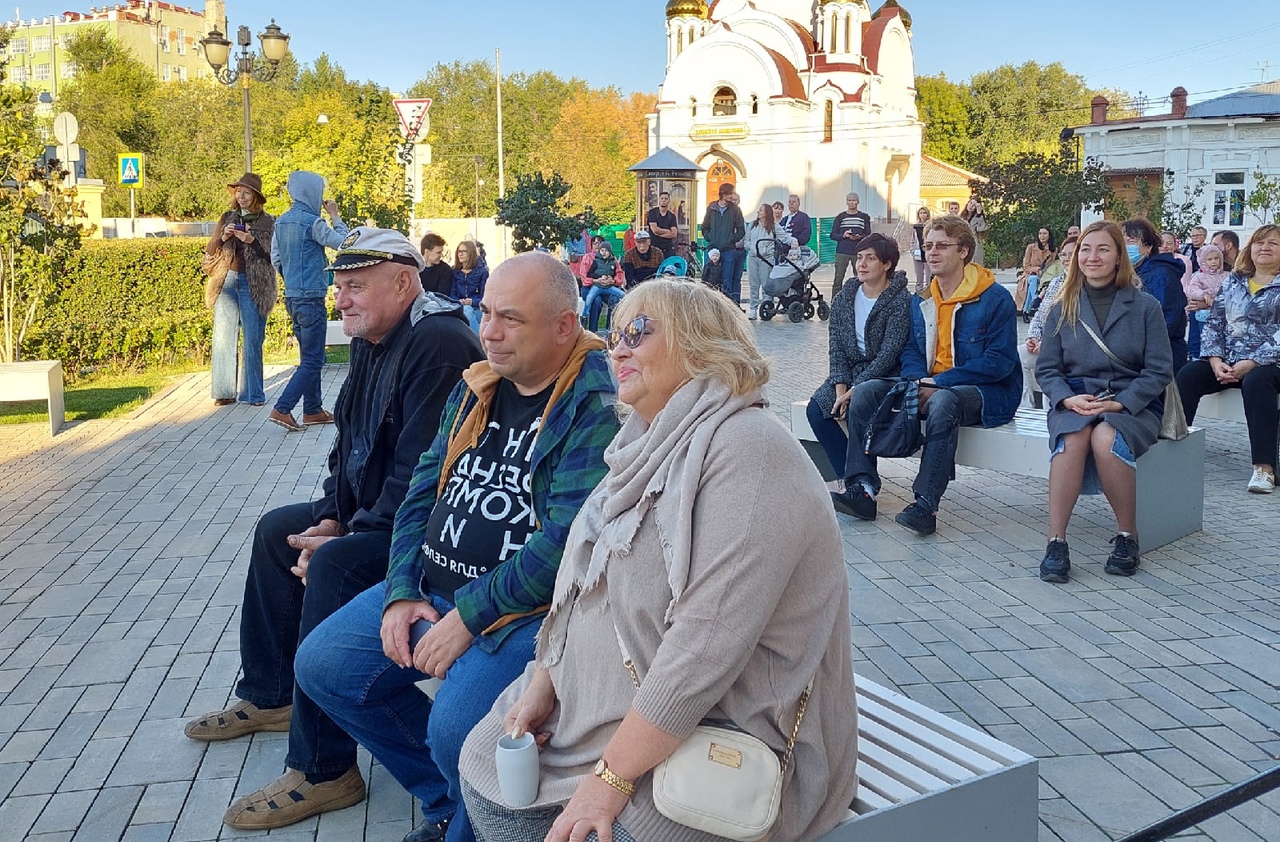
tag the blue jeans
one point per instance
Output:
(310, 326)
(233, 312)
(341, 665)
(473, 315)
(734, 261)
(948, 410)
(279, 611)
(830, 435)
(597, 298)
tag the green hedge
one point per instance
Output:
(132, 304)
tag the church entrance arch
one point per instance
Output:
(721, 172)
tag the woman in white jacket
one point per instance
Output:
(763, 229)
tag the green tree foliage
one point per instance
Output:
(192, 135)
(464, 127)
(1263, 201)
(1034, 190)
(598, 136)
(944, 110)
(113, 97)
(539, 213)
(38, 227)
(1002, 113)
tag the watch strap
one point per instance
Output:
(604, 773)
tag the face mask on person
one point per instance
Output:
(1134, 254)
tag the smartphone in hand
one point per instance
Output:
(417, 631)
(1104, 395)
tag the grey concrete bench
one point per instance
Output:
(1170, 474)
(334, 335)
(924, 776)
(39, 380)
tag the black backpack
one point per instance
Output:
(894, 431)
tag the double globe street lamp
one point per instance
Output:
(217, 50)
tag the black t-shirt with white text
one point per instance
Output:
(485, 513)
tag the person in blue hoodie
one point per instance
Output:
(1161, 276)
(297, 253)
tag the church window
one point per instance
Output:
(724, 103)
(828, 120)
(755, 104)
(832, 30)
(693, 106)
(848, 32)
(679, 41)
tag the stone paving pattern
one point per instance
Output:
(124, 545)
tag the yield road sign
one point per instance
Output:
(130, 169)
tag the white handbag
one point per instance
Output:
(721, 780)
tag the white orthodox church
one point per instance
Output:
(815, 97)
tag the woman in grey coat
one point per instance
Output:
(869, 328)
(1105, 404)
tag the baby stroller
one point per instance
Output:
(789, 282)
(674, 267)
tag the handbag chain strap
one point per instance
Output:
(800, 709)
(1098, 339)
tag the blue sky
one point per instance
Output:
(1135, 46)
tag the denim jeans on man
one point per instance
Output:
(734, 261)
(235, 313)
(279, 612)
(598, 298)
(945, 413)
(310, 327)
(342, 666)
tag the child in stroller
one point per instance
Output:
(713, 271)
(789, 283)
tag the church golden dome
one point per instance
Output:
(688, 9)
(902, 13)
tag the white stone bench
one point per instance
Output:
(334, 335)
(925, 776)
(1170, 474)
(1227, 405)
(38, 380)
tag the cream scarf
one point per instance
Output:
(654, 468)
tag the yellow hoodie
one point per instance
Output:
(977, 279)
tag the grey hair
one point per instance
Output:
(853, 196)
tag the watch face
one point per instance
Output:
(600, 766)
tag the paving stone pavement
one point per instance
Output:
(124, 544)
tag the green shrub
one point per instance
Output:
(131, 305)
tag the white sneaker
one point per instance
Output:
(1262, 482)
(751, 314)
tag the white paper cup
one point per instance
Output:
(517, 764)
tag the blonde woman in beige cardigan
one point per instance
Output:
(720, 576)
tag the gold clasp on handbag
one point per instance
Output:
(730, 757)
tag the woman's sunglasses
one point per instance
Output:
(630, 334)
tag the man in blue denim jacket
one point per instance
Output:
(963, 351)
(297, 252)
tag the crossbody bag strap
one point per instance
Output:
(1098, 339)
(800, 709)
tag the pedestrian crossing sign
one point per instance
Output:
(131, 169)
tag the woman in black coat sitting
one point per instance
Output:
(1104, 364)
(869, 328)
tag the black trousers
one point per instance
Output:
(1260, 388)
(279, 612)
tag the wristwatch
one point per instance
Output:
(604, 773)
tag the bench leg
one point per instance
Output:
(57, 410)
(1171, 491)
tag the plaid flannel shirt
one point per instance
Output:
(567, 464)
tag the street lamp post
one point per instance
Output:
(217, 50)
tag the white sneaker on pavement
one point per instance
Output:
(1262, 482)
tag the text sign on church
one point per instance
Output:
(731, 131)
